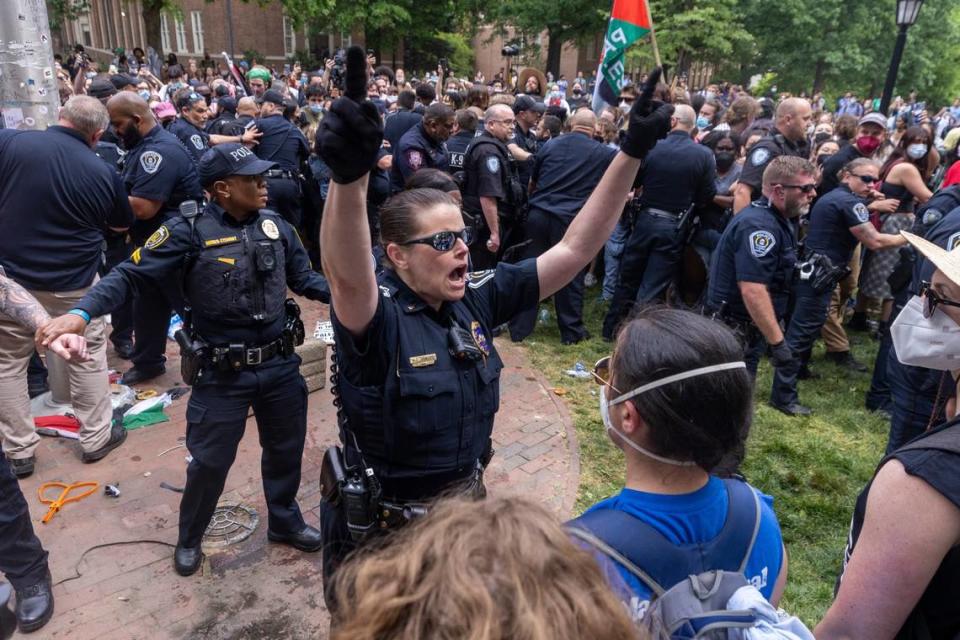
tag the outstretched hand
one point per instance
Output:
(649, 120)
(351, 132)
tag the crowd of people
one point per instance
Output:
(719, 226)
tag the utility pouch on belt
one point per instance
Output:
(820, 272)
(332, 475)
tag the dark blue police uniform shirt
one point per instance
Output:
(164, 260)
(529, 143)
(565, 172)
(831, 219)
(282, 143)
(197, 141)
(757, 246)
(397, 124)
(946, 235)
(457, 149)
(57, 200)
(678, 172)
(829, 179)
(160, 169)
(766, 149)
(416, 151)
(437, 410)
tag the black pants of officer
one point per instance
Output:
(284, 197)
(216, 419)
(546, 230)
(121, 318)
(809, 315)
(152, 309)
(482, 258)
(649, 263)
(919, 399)
(22, 558)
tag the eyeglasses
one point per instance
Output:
(931, 299)
(509, 123)
(866, 179)
(601, 373)
(806, 188)
(443, 241)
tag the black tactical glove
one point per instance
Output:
(649, 120)
(781, 354)
(351, 133)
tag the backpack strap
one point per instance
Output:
(634, 543)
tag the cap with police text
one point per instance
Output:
(874, 117)
(231, 159)
(271, 96)
(526, 103)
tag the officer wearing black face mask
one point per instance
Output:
(159, 175)
(237, 348)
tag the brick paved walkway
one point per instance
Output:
(252, 589)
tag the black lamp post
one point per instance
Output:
(907, 12)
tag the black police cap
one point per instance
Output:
(271, 96)
(230, 159)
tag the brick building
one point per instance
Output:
(210, 27)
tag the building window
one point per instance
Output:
(164, 32)
(83, 31)
(196, 23)
(289, 37)
(181, 35)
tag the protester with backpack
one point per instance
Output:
(677, 399)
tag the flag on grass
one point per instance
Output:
(629, 21)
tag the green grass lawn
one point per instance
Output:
(814, 467)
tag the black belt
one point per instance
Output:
(660, 212)
(242, 355)
(280, 173)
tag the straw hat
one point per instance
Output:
(526, 73)
(948, 262)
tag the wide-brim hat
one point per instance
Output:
(948, 262)
(525, 75)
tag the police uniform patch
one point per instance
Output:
(953, 241)
(759, 156)
(932, 216)
(384, 291)
(150, 161)
(476, 279)
(493, 164)
(860, 210)
(269, 228)
(761, 242)
(197, 141)
(480, 338)
(157, 238)
(414, 159)
(135, 256)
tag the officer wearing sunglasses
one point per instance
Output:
(839, 221)
(418, 374)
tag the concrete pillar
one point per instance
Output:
(28, 85)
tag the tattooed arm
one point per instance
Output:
(23, 308)
(17, 303)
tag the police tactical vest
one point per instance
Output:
(511, 182)
(239, 274)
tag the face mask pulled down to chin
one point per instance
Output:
(932, 343)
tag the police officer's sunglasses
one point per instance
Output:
(806, 188)
(866, 179)
(444, 240)
(931, 299)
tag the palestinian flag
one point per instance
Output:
(629, 21)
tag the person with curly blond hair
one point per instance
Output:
(499, 568)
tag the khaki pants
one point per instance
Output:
(89, 383)
(834, 337)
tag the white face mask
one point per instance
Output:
(625, 106)
(917, 151)
(932, 343)
(605, 406)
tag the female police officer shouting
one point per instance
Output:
(418, 372)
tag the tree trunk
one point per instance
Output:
(818, 72)
(151, 25)
(553, 54)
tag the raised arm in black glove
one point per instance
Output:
(351, 133)
(649, 120)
